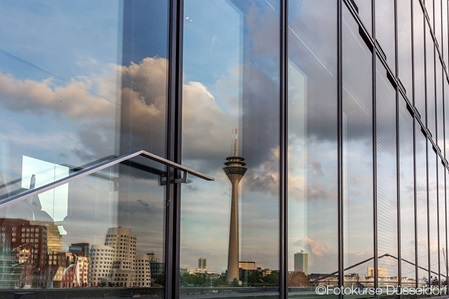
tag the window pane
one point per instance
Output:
(404, 45)
(433, 213)
(364, 9)
(312, 181)
(418, 56)
(71, 96)
(386, 179)
(384, 30)
(407, 196)
(421, 203)
(430, 85)
(442, 223)
(439, 105)
(100, 248)
(357, 155)
(231, 82)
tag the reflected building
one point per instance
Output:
(301, 260)
(123, 242)
(100, 268)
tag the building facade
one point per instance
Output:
(117, 117)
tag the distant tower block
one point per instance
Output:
(234, 169)
(302, 262)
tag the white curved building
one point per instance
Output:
(100, 267)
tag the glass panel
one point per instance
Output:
(437, 28)
(433, 215)
(405, 46)
(439, 105)
(111, 242)
(418, 56)
(430, 85)
(444, 41)
(408, 261)
(231, 82)
(357, 156)
(312, 181)
(385, 29)
(364, 9)
(73, 75)
(429, 7)
(421, 203)
(386, 180)
(446, 117)
(72, 95)
(442, 224)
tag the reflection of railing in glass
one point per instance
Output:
(32, 252)
(317, 280)
(102, 165)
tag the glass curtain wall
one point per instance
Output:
(84, 83)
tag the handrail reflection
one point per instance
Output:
(102, 165)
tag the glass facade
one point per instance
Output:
(224, 148)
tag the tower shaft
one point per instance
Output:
(235, 169)
(233, 252)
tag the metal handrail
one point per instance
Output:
(102, 165)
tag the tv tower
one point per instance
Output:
(234, 169)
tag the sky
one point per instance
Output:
(71, 93)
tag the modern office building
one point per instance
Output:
(100, 266)
(202, 264)
(301, 262)
(120, 113)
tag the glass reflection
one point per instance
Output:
(418, 56)
(407, 210)
(439, 106)
(404, 19)
(444, 39)
(421, 203)
(71, 97)
(357, 157)
(231, 115)
(101, 247)
(385, 36)
(442, 242)
(430, 83)
(312, 181)
(386, 180)
(364, 10)
(432, 191)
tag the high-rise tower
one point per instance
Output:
(234, 169)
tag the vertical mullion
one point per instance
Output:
(173, 195)
(283, 254)
(340, 143)
(374, 132)
(398, 164)
(445, 223)
(428, 212)
(415, 205)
